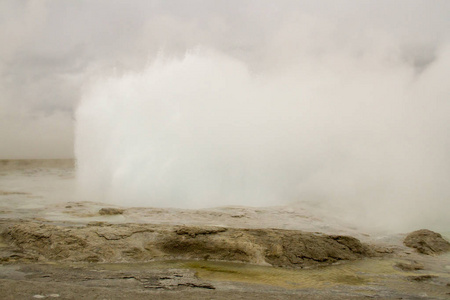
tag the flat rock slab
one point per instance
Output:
(101, 242)
(167, 279)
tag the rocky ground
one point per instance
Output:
(55, 245)
(116, 243)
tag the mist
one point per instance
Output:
(362, 133)
(341, 105)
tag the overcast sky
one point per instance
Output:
(51, 50)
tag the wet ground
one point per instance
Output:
(45, 191)
(373, 278)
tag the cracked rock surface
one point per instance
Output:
(100, 242)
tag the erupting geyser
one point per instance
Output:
(363, 133)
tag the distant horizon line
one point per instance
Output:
(25, 158)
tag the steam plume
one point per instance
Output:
(365, 133)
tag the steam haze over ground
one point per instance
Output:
(206, 103)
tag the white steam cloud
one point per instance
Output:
(363, 131)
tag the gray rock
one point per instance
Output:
(111, 211)
(427, 242)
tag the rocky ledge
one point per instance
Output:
(102, 242)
